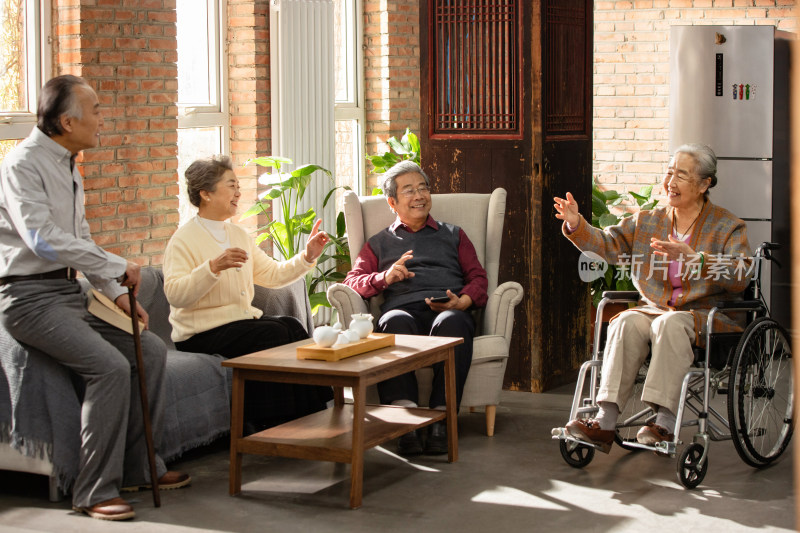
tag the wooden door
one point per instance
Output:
(482, 128)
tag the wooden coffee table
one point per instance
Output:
(343, 432)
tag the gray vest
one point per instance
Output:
(435, 263)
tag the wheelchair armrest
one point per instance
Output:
(622, 296)
(742, 305)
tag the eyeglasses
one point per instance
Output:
(680, 178)
(422, 189)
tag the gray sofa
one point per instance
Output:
(40, 399)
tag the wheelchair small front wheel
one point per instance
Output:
(690, 472)
(576, 455)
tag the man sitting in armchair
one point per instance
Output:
(430, 278)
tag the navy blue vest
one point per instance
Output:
(435, 262)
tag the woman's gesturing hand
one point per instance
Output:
(230, 258)
(567, 210)
(672, 249)
(316, 242)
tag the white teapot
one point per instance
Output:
(361, 323)
(325, 336)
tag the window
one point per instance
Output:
(349, 109)
(24, 30)
(202, 110)
(475, 58)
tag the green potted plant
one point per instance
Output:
(407, 148)
(615, 279)
(286, 233)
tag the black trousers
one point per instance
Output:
(420, 319)
(266, 404)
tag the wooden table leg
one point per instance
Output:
(338, 396)
(237, 428)
(452, 412)
(357, 452)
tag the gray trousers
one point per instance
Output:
(51, 316)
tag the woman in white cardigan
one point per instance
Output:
(210, 268)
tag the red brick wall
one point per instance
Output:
(631, 77)
(127, 52)
(248, 92)
(391, 72)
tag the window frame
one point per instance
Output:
(216, 114)
(355, 108)
(16, 125)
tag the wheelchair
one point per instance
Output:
(752, 368)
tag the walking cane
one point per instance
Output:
(148, 430)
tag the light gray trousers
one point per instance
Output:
(631, 335)
(51, 316)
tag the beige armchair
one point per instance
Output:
(481, 216)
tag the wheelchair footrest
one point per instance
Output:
(561, 434)
(662, 448)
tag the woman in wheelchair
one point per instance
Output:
(683, 259)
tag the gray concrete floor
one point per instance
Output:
(514, 481)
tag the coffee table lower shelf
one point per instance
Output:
(328, 435)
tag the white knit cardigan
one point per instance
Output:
(201, 300)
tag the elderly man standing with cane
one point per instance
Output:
(44, 240)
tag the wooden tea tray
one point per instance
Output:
(372, 342)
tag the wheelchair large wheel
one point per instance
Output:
(576, 455)
(690, 472)
(634, 415)
(761, 392)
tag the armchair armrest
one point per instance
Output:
(498, 317)
(346, 301)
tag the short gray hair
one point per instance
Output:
(204, 174)
(705, 159)
(389, 184)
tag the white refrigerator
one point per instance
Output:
(729, 89)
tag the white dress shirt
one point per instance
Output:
(43, 223)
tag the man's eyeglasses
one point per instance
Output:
(422, 189)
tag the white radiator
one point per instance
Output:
(302, 90)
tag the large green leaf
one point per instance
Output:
(268, 161)
(397, 146)
(305, 170)
(598, 206)
(307, 220)
(341, 225)
(262, 237)
(608, 219)
(255, 209)
(412, 140)
(317, 300)
(272, 194)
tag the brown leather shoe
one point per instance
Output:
(588, 430)
(170, 480)
(113, 509)
(653, 433)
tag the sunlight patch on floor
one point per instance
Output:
(517, 498)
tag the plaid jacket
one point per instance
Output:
(721, 237)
